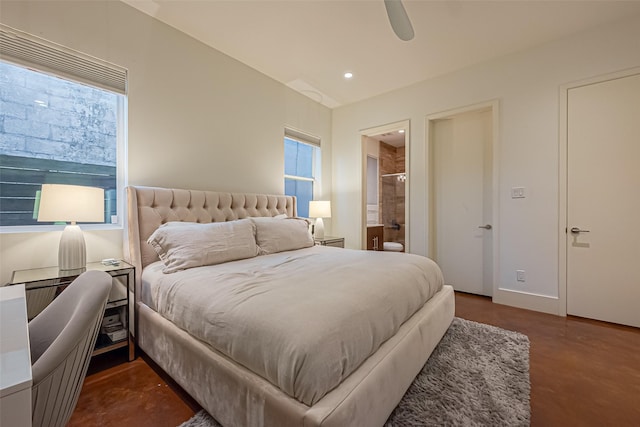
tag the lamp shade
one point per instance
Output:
(73, 203)
(320, 209)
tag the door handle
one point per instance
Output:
(486, 227)
(576, 230)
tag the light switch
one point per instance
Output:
(517, 192)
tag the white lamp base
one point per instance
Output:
(319, 229)
(72, 253)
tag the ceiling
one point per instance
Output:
(393, 138)
(309, 44)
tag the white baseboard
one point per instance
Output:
(527, 301)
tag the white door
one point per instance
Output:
(603, 201)
(462, 185)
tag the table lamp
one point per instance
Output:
(319, 209)
(72, 203)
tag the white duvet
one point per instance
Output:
(305, 319)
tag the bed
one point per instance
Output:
(314, 336)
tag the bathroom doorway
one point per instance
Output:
(385, 188)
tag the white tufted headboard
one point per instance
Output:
(150, 207)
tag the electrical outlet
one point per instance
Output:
(520, 275)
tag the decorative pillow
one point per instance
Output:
(281, 234)
(182, 245)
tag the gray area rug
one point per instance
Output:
(478, 375)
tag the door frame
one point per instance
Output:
(494, 106)
(377, 130)
(563, 182)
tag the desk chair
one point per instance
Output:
(62, 338)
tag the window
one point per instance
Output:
(372, 180)
(301, 166)
(57, 126)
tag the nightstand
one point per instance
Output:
(337, 242)
(42, 285)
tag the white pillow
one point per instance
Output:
(182, 245)
(281, 234)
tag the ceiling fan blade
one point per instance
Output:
(399, 20)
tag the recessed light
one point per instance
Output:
(401, 131)
(348, 75)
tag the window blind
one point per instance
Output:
(37, 53)
(301, 137)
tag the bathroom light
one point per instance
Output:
(319, 209)
(348, 75)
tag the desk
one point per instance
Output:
(15, 358)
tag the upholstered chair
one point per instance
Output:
(62, 338)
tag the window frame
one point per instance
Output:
(26, 51)
(315, 143)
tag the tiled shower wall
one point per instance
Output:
(392, 192)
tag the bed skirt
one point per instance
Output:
(236, 396)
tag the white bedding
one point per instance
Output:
(305, 319)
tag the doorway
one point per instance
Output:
(601, 233)
(385, 187)
(461, 202)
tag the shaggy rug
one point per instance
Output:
(478, 375)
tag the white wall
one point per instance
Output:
(527, 87)
(197, 118)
